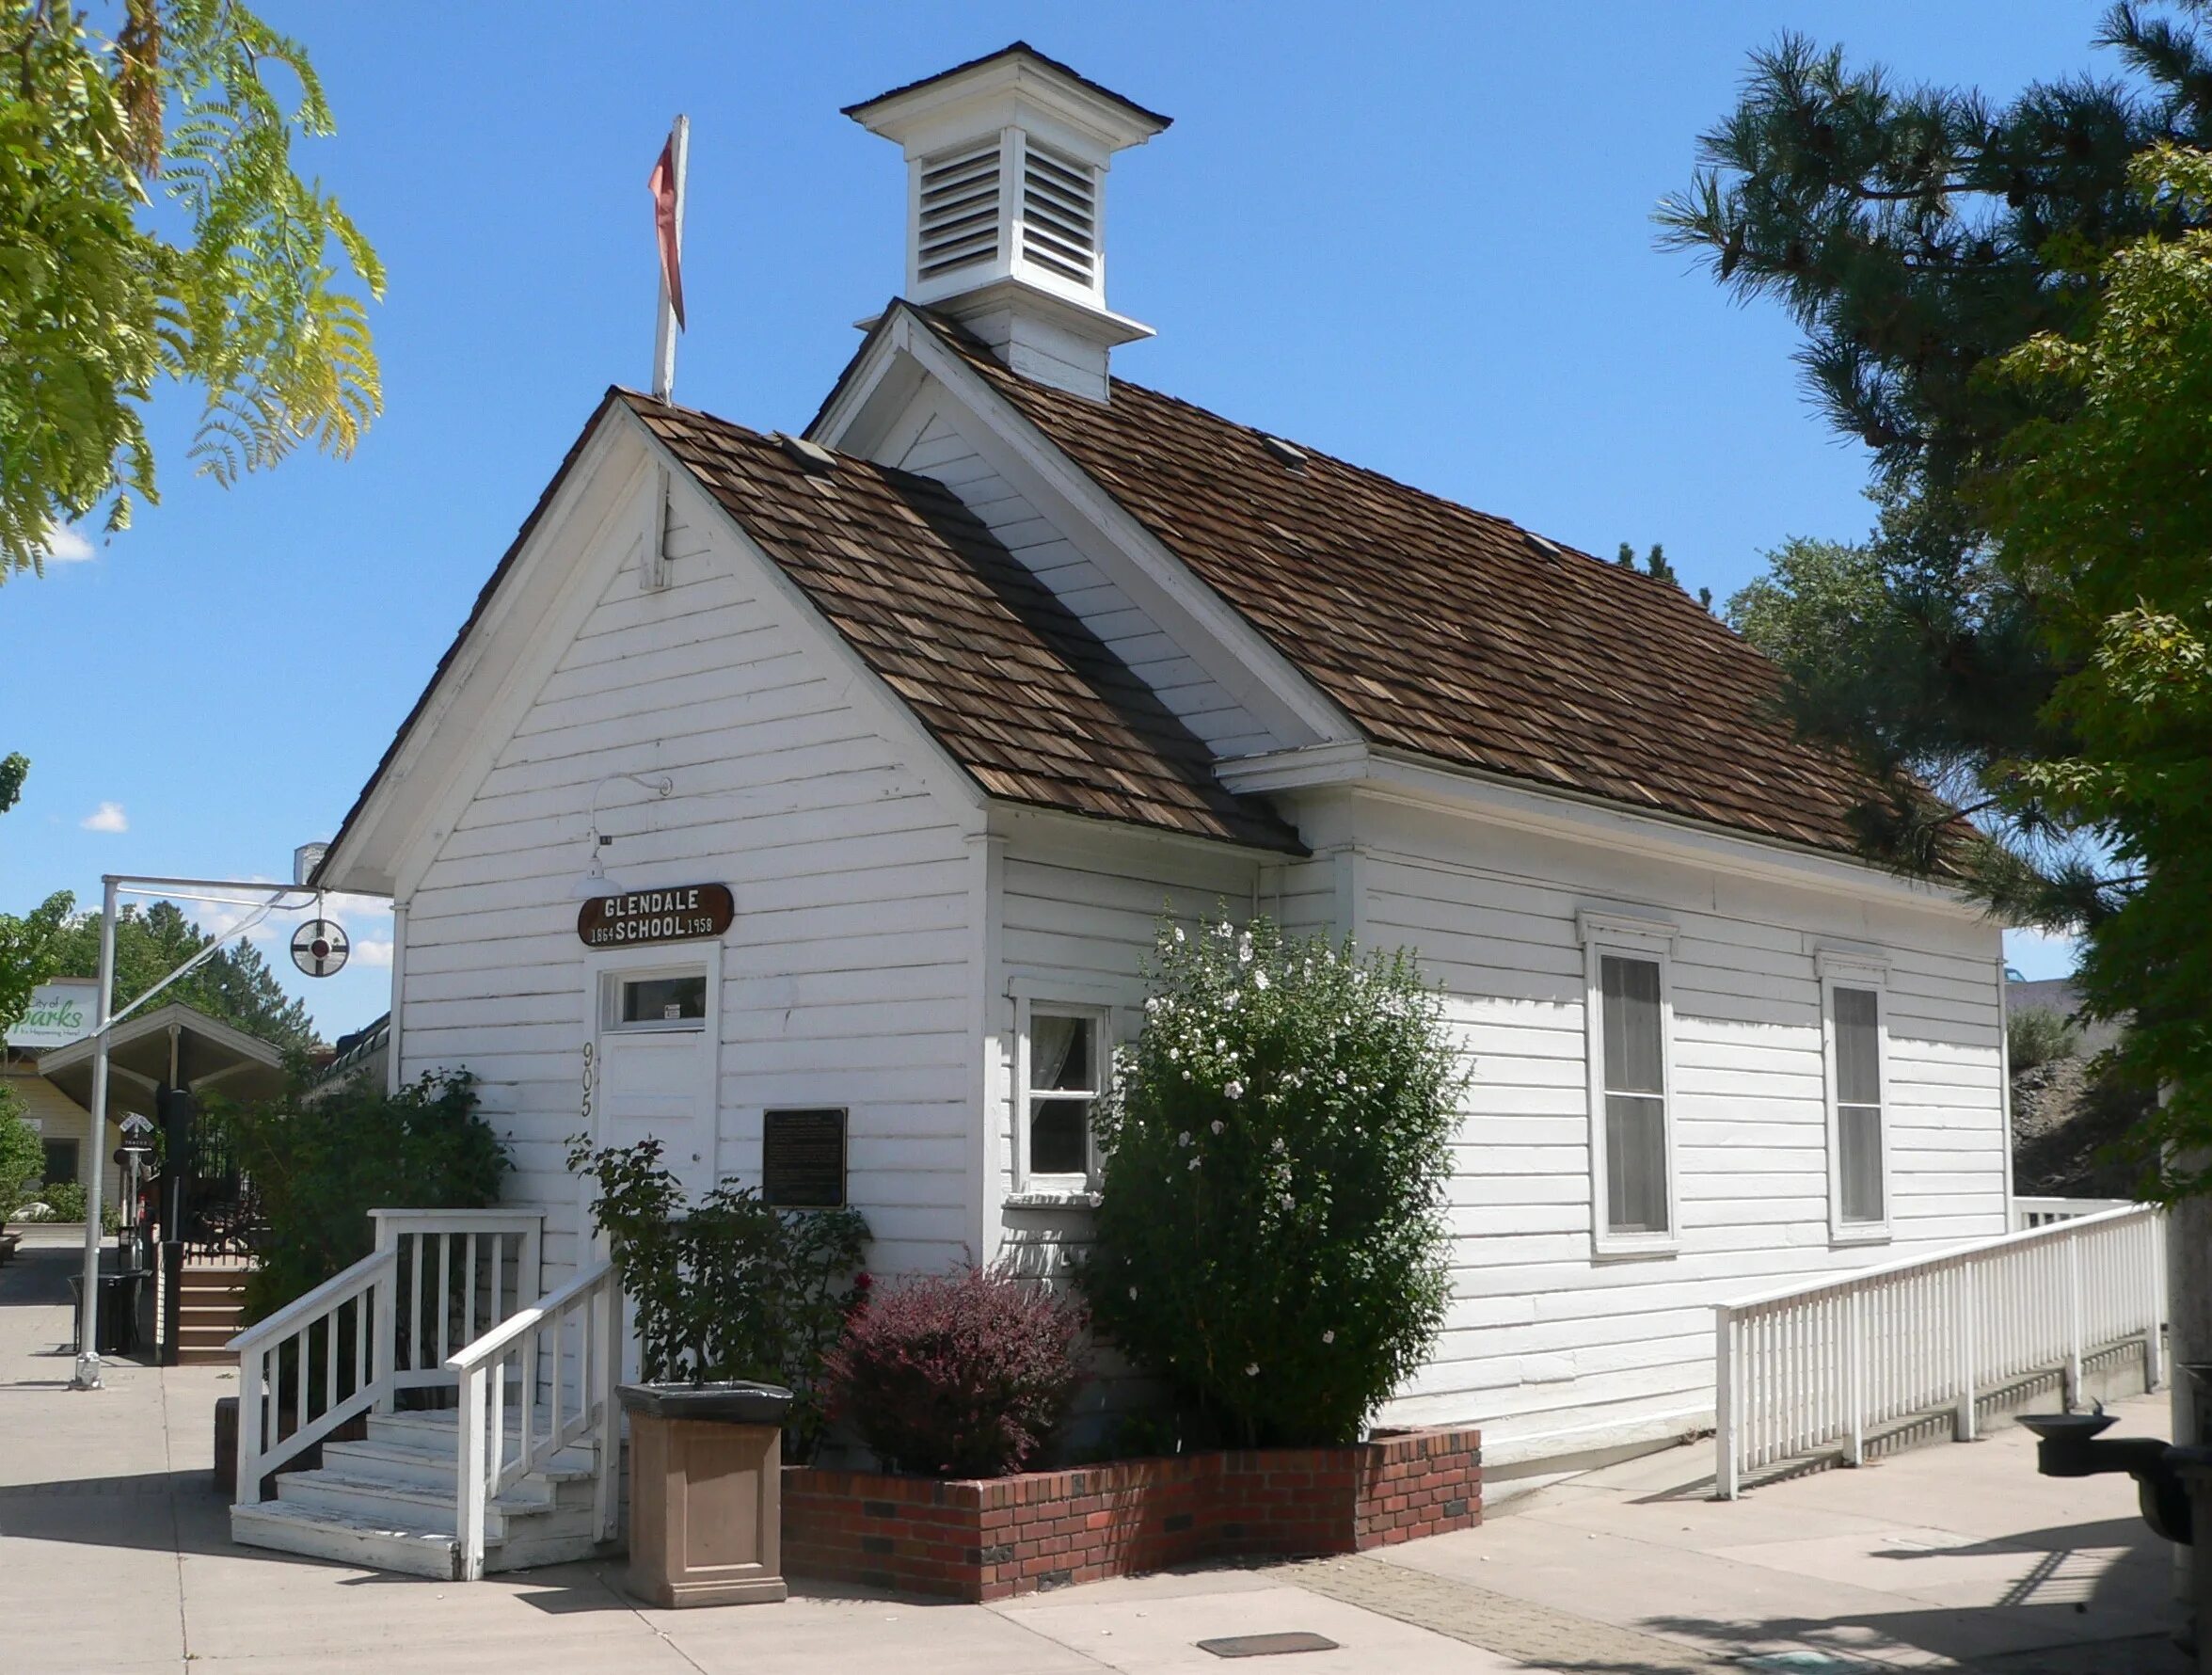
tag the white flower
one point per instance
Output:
(1252, 1371)
(1219, 1124)
(1183, 1138)
(1133, 1298)
(1259, 979)
(1278, 1145)
(1152, 1004)
(1196, 1161)
(1233, 1088)
(1326, 1337)
(1174, 1055)
(1178, 933)
(1289, 1203)
(1227, 929)
(1244, 949)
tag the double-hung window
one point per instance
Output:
(1858, 1163)
(1631, 1129)
(1063, 1062)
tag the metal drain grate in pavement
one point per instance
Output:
(1266, 1645)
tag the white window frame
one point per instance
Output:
(1855, 971)
(1629, 936)
(612, 977)
(1101, 1017)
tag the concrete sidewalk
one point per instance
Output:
(115, 1554)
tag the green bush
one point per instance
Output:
(2035, 1035)
(1270, 1239)
(23, 1160)
(64, 1200)
(316, 1170)
(730, 1287)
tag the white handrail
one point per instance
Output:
(452, 1271)
(315, 1304)
(498, 1337)
(1810, 1370)
(261, 1362)
(574, 1390)
(2032, 1211)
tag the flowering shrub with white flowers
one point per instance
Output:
(1270, 1238)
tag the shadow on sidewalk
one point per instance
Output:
(2075, 1609)
(159, 1511)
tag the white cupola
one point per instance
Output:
(1006, 160)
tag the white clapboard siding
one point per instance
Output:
(1201, 703)
(846, 977)
(1544, 1345)
(1078, 913)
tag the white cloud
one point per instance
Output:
(367, 920)
(108, 817)
(64, 545)
(368, 952)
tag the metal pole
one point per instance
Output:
(87, 1373)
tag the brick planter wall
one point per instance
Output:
(991, 1539)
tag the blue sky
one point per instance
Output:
(1415, 236)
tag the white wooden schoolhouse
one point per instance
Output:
(810, 800)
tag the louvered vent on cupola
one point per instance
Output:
(957, 210)
(1059, 215)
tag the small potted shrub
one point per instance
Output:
(963, 1375)
(737, 1303)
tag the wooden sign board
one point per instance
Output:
(682, 913)
(803, 1159)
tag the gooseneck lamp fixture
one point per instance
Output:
(594, 881)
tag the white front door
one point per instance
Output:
(656, 1067)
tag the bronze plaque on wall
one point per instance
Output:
(803, 1159)
(682, 913)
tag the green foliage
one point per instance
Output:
(2036, 1035)
(119, 127)
(1270, 1238)
(235, 985)
(730, 1287)
(23, 1160)
(2104, 515)
(64, 1200)
(318, 1169)
(15, 768)
(30, 952)
(1918, 235)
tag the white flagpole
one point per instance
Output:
(664, 343)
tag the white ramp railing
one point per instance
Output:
(1811, 1370)
(2042, 1212)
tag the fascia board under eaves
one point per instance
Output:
(1427, 783)
(1286, 686)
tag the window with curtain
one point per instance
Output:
(1065, 1076)
(1858, 1018)
(1635, 1077)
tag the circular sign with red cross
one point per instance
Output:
(319, 948)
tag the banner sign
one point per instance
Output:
(685, 912)
(59, 1012)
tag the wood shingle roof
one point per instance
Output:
(1017, 689)
(1451, 633)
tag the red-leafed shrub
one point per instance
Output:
(962, 1375)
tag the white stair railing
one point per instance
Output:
(436, 1279)
(540, 1381)
(278, 1356)
(1812, 1369)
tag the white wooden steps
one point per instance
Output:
(388, 1502)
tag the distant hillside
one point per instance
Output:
(2065, 1118)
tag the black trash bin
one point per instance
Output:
(118, 1312)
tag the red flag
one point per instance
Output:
(662, 184)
